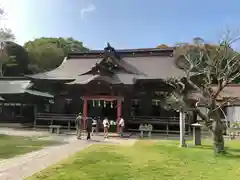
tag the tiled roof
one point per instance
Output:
(138, 64)
(38, 93)
(155, 67)
(115, 79)
(232, 90)
(69, 69)
(84, 79)
(13, 86)
(8, 87)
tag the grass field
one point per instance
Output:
(147, 160)
(14, 145)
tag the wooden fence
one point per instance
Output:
(43, 120)
(168, 124)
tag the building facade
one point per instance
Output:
(112, 83)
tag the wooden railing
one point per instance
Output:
(152, 119)
(46, 119)
(166, 125)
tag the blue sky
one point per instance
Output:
(123, 23)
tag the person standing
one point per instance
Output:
(105, 127)
(89, 127)
(94, 126)
(78, 124)
(121, 125)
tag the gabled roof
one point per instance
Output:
(125, 66)
(8, 86)
(68, 70)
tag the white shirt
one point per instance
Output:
(121, 122)
(94, 122)
(79, 117)
(105, 123)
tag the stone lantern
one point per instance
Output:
(197, 133)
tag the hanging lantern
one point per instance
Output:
(111, 104)
(99, 103)
(93, 103)
(104, 104)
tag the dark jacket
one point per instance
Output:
(89, 124)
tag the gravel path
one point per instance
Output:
(28, 164)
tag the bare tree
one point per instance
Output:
(204, 66)
(6, 35)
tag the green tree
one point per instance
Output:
(19, 60)
(204, 65)
(48, 53)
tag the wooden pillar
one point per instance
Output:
(34, 114)
(119, 112)
(84, 112)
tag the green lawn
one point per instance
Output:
(147, 160)
(14, 145)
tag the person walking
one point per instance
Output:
(121, 125)
(105, 127)
(89, 128)
(78, 124)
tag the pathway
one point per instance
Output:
(23, 166)
(22, 132)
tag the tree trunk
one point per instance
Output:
(217, 134)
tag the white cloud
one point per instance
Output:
(88, 9)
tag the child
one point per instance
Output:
(94, 126)
(105, 127)
(121, 125)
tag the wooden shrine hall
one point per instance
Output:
(112, 83)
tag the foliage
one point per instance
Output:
(47, 53)
(17, 64)
(205, 65)
(162, 46)
(146, 160)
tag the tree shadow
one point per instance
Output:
(233, 150)
(208, 147)
(229, 153)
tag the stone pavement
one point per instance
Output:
(26, 165)
(22, 132)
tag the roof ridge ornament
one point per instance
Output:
(109, 48)
(110, 52)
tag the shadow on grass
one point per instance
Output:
(230, 153)
(207, 147)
